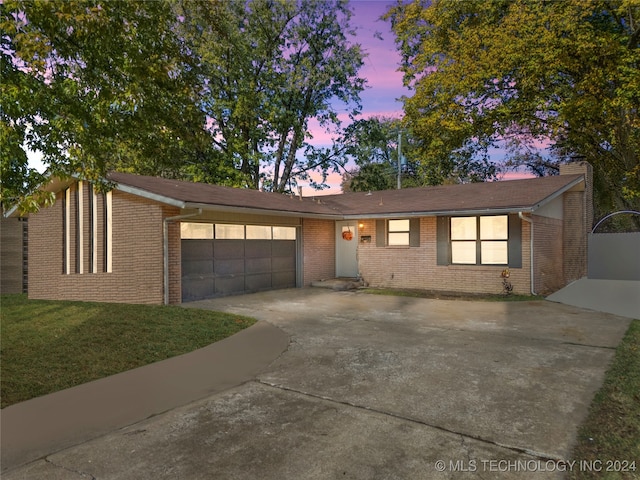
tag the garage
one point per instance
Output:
(224, 259)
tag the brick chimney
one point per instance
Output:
(578, 220)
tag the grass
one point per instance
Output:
(416, 293)
(52, 345)
(611, 433)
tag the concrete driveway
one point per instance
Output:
(375, 387)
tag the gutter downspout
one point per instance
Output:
(530, 222)
(165, 241)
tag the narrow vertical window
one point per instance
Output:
(108, 232)
(93, 231)
(65, 231)
(79, 229)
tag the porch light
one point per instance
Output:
(361, 226)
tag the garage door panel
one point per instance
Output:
(279, 264)
(197, 267)
(255, 283)
(196, 287)
(229, 285)
(257, 265)
(232, 266)
(283, 279)
(283, 248)
(197, 249)
(228, 249)
(258, 248)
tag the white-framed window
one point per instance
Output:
(480, 240)
(258, 232)
(223, 231)
(229, 231)
(398, 232)
(284, 233)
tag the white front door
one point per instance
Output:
(346, 248)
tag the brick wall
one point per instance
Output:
(319, 250)
(175, 257)
(11, 254)
(578, 221)
(137, 256)
(548, 252)
(416, 267)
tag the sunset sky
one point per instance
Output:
(385, 88)
(384, 82)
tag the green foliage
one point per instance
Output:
(268, 68)
(51, 345)
(372, 144)
(220, 92)
(98, 86)
(528, 73)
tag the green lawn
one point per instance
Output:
(48, 346)
(609, 441)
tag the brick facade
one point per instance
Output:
(416, 267)
(137, 251)
(12, 255)
(548, 251)
(578, 221)
(319, 250)
(79, 272)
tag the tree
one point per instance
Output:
(525, 72)
(96, 86)
(268, 68)
(372, 145)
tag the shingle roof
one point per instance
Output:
(201, 194)
(511, 196)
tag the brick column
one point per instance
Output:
(578, 221)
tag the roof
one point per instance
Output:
(202, 195)
(526, 195)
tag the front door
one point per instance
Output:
(346, 249)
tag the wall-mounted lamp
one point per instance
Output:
(361, 226)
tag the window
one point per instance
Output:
(494, 236)
(398, 232)
(480, 240)
(66, 215)
(229, 232)
(284, 233)
(258, 232)
(108, 232)
(463, 240)
(205, 231)
(200, 231)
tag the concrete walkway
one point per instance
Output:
(47, 424)
(620, 297)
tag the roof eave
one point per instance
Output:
(442, 213)
(262, 211)
(150, 195)
(558, 193)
